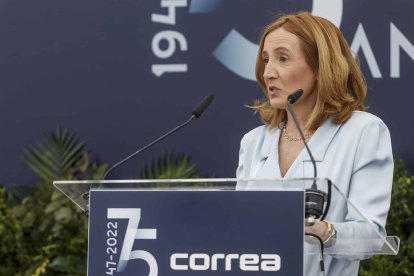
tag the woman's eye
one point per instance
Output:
(282, 59)
(265, 60)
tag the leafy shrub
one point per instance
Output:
(45, 233)
(400, 223)
(53, 229)
(11, 246)
(170, 166)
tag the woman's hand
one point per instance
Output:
(322, 229)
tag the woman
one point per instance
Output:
(351, 147)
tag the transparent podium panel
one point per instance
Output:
(358, 236)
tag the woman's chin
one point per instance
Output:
(278, 104)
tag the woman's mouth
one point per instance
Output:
(273, 90)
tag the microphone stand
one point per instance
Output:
(314, 199)
(201, 107)
(111, 169)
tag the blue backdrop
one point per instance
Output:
(120, 73)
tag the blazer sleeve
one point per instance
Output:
(240, 167)
(243, 166)
(369, 190)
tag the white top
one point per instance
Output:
(356, 156)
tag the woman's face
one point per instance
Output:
(286, 70)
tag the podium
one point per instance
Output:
(211, 227)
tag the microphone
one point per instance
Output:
(314, 198)
(292, 98)
(201, 107)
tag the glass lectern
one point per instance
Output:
(221, 225)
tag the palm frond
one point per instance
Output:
(170, 166)
(57, 153)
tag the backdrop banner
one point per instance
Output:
(196, 233)
(121, 73)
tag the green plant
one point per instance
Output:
(400, 223)
(54, 230)
(12, 253)
(60, 156)
(170, 166)
(47, 231)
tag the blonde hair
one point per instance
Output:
(340, 85)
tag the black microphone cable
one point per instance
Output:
(321, 248)
(328, 200)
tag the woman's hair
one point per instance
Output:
(340, 85)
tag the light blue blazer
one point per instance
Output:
(356, 156)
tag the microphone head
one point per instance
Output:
(292, 98)
(202, 106)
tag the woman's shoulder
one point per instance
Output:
(258, 133)
(364, 115)
(364, 119)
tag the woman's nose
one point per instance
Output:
(269, 72)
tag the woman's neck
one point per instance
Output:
(301, 117)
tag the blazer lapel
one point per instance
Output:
(269, 159)
(320, 141)
(319, 145)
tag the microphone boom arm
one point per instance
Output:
(195, 114)
(289, 107)
(111, 169)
